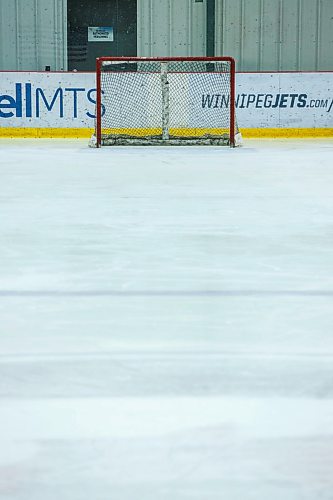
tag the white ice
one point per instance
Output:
(166, 321)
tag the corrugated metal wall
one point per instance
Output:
(276, 35)
(269, 35)
(171, 28)
(33, 34)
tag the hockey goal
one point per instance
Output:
(165, 101)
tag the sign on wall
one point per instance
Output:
(100, 34)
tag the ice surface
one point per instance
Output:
(166, 321)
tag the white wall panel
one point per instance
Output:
(274, 35)
(325, 45)
(270, 44)
(229, 29)
(308, 34)
(250, 29)
(33, 34)
(8, 34)
(290, 36)
(171, 28)
(26, 36)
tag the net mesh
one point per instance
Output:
(165, 100)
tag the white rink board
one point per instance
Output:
(43, 100)
(264, 100)
(285, 100)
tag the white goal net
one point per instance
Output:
(166, 101)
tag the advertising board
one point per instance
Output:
(63, 104)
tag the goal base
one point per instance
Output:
(124, 140)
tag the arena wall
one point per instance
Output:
(262, 35)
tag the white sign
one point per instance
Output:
(100, 34)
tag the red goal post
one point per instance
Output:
(165, 101)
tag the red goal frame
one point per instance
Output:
(230, 60)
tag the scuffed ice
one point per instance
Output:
(166, 321)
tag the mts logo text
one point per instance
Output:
(35, 102)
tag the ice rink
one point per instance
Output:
(166, 321)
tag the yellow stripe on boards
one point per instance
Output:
(78, 133)
(287, 133)
(47, 133)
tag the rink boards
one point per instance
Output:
(45, 104)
